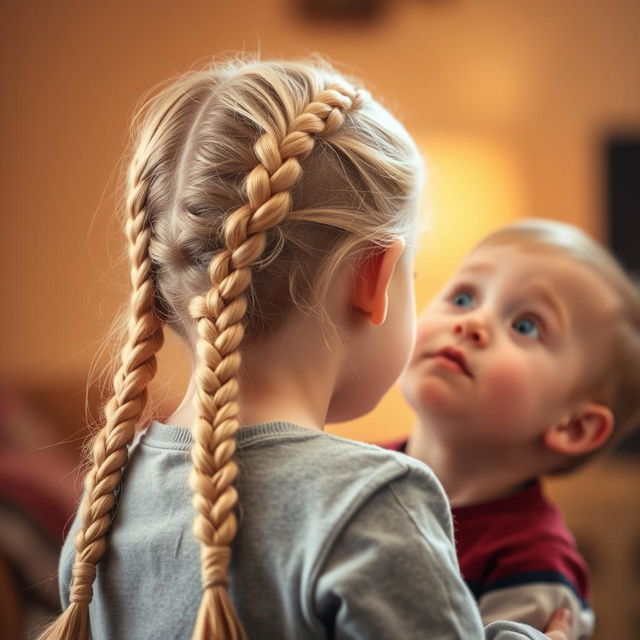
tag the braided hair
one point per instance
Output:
(251, 182)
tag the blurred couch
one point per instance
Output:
(38, 491)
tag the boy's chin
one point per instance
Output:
(435, 401)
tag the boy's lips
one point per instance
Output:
(455, 356)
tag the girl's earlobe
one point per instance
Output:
(582, 433)
(373, 277)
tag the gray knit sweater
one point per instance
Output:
(337, 539)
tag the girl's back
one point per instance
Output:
(311, 555)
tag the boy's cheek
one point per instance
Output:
(428, 392)
(421, 333)
(426, 329)
(409, 383)
(508, 391)
(405, 380)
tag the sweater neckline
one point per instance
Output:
(164, 436)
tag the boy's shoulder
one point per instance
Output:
(517, 539)
(524, 514)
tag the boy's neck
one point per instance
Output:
(470, 476)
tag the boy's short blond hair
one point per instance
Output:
(618, 385)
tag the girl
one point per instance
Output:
(271, 212)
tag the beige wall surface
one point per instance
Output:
(510, 102)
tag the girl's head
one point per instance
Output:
(290, 153)
(251, 185)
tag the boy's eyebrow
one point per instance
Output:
(539, 288)
(478, 267)
(550, 299)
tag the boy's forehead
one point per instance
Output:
(492, 256)
(526, 260)
(546, 271)
(499, 260)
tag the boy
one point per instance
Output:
(526, 364)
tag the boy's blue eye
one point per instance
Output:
(527, 327)
(463, 299)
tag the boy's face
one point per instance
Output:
(506, 349)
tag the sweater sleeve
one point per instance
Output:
(392, 572)
(65, 563)
(534, 602)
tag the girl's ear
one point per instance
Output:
(583, 432)
(373, 276)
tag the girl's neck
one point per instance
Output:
(288, 378)
(469, 475)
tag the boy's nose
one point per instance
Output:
(473, 330)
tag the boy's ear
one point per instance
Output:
(373, 276)
(583, 432)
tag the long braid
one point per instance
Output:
(219, 316)
(122, 413)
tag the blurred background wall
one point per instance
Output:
(511, 102)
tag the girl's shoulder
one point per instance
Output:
(385, 462)
(333, 458)
(343, 476)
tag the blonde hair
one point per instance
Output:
(616, 385)
(250, 184)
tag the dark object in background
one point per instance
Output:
(341, 10)
(622, 157)
(623, 199)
